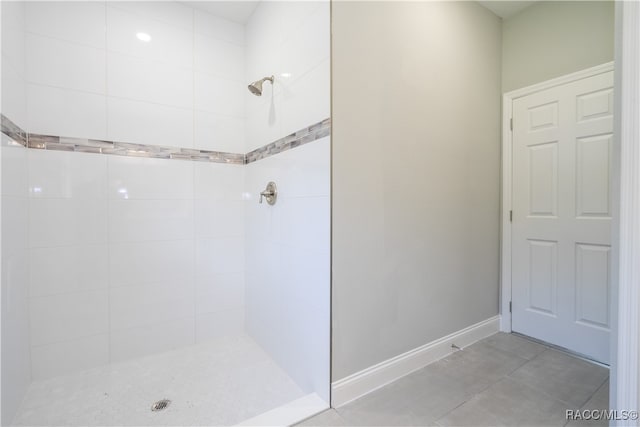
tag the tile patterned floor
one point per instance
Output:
(503, 380)
(219, 382)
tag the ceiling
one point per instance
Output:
(237, 11)
(505, 9)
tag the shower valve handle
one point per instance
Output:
(265, 193)
(270, 193)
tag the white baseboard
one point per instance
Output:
(374, 377)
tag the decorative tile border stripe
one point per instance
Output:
(303, 136)
(46, 142)
(83, 145)
(13, 131)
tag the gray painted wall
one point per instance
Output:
(554, 38)
(416, 165)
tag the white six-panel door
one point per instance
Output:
(561, 229)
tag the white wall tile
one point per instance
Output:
(264, 275)
(219, 58)
(219, 218)
(264, 299)
(168, 43)
(302, 172)
(219, 181)
(295, 18)
(12, 31)
(14, 93)
(149, 304)
(16, 374)
(220, 324)
(263, 37)
(15, 298)
(287, 245)
(67, 222)
(120, 232)
(80, 22)
(16, 368)
(144, 178)
(309, 365)
(150, 81)
(305, 277)
(150, 262)
(218, 28)
(306, 223)
(145, 220)
(219, 292)
(68, 316)
(54, 111)
(263, 222)
(157, 338)
(224, 255)
(58, 174)
(218, 133)
(264, 120)
(63, 64)
(169, 12)
(147, 123)
(15, 225)
(14, 170)
(69, 356)
(68, 269)
(307, 45)
(307, 170)
(307, 100)
(218, 95)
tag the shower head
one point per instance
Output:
(256, 87)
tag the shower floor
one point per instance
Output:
(222, 382)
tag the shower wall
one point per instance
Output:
(132, 256)
(291, 41)
(126, 259)
(14, 211)
(90, 77)
(287, 245)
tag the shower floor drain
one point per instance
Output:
(160, 405)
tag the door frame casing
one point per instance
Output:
(507, 178)
(624, 393)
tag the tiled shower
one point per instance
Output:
(137, 261)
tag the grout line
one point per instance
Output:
(517, 355)
(594, 393)
(194, 224)
(136, 100)
(195, 202)
(28, 249)
(106, 73)
(532, 387)
(108, 244)
(70, 340)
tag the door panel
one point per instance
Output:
(592, 285)
(543, 179)
(593, 159)
(543, 274)
(562, 141)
